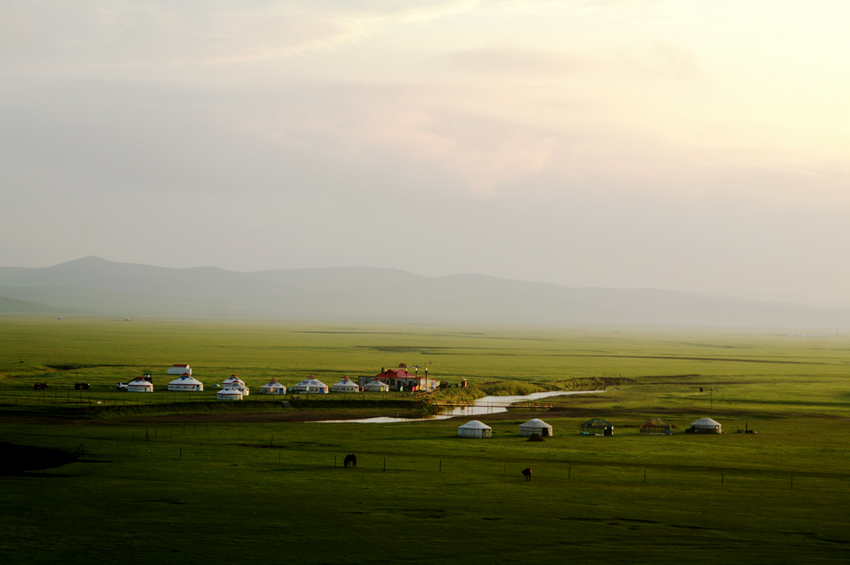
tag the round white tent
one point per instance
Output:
(310, 386)
(474, 428)
(139, 385)
(233, 381)
(535, 426)
(345, 385)
(229, 394)
(273, 387)
(376, 386)
(237, 383)
(705, 426)
(186, 383)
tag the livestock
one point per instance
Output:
(350, 461)
(527, 474)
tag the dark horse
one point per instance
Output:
(527, 474)
(350, 460)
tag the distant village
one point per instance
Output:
(234, 388)
(400, 380)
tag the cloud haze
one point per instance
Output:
(696, 146)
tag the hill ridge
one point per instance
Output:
(101, 287)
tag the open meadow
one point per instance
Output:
(181, 478)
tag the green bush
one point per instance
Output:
(510, 388)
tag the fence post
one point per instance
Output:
(385, 464)
(569, 471)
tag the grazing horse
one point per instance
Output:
(527, 474)
(350, 460)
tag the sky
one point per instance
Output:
(701, 146)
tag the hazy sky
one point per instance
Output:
(692, 145)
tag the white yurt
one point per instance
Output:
(180, 369)
(233, 381)
(186, 383)
(237, 383)
(535, 426)
(310, 385)
(229, 394)
(474, 428)
(139, 385)
(345, 385)
(273, 387)
(705, 426)
(376, 386)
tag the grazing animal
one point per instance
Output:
(350, 461)
(527, 474)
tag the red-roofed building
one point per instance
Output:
(401, 380)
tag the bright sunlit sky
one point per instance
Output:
(699, 145)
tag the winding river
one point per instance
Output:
(486, 405)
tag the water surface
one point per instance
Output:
(482, 406)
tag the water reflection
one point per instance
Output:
(482, 406)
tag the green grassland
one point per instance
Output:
(162, 482)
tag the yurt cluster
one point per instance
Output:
(537, 429)
(235, 388)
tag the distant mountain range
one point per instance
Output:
(94, 286)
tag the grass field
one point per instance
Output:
(192, 483)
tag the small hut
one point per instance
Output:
(705, 426)
(655, 427)
(273, 387)
(229, 394)
(140, 385)
(237, 383)
(475, 429)
(376, 386)
(345, 385)
(597, 427)
(310, 385)
(186, 383)
(535, 426)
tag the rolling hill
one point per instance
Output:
(95, 286)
